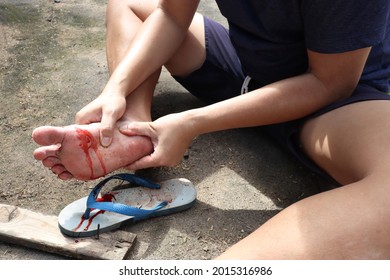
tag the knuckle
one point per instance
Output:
(79, 117)
(106, 130)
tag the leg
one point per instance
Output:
(351, 222)
(62, 148)
(123, 20)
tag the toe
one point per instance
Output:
(42, 153)
(48, 135)
(51, 161)
(58, 169)
(65, 176)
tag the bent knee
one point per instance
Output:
(141, 8)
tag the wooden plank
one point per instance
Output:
(38, 231)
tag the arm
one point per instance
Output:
(330, 78)
(156, 41)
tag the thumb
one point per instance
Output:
(107, 130)
(106, 134)
(110, 115)
(138, 128)
(142, 163)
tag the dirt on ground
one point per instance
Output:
(52, 63)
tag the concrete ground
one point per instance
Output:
(52, 63)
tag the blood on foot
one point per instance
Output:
(88, 143)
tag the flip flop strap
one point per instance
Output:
(119, 207)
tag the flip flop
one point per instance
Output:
(96, 214)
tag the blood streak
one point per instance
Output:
(87, 141)
(106, 197)
(90, 220)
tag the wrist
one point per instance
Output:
(194, 123)
(119, 81)
(114, 89)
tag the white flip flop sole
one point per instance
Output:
(180, 194)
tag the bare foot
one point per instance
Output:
(75, 152)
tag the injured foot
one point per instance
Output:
(75, 152)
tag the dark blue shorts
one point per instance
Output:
(221, 77)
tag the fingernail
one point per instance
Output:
(106, 141)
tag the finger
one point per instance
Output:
(106, 134)
(109, 119)
(142, 163)
(156, 159)
(137, 128)
(88, 114)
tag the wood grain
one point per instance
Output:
(35, 230)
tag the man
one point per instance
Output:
(315, 73)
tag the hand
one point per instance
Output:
(106, 109)
(170, 136)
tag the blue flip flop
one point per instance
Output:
(99, 213)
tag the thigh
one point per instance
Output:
(349, 222)
(352, 142)
(192, 53)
